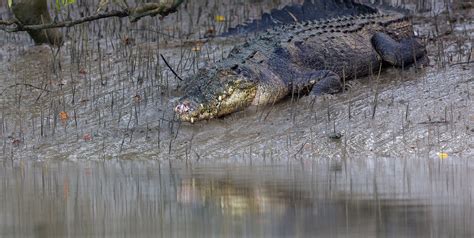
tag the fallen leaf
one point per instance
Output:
(220, 18)
(128, 40)
(307, 146)
(137, 98)
(210, 33)
(16, 142)
(63, 116)
(87, 137)
(442, 155)
(198, 45)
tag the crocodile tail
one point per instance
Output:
(309, 10)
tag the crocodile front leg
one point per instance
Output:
(398, 53)
(330, 83)
(319, 82)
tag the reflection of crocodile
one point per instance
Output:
(312, 56)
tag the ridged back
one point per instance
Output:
(308, 11)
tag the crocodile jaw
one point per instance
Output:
(237, 97)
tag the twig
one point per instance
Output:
(166, 62)
(153, 9)
(23, 84)
(460, 63)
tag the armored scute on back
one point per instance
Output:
(312, 55)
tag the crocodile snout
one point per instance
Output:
(186, 110)
(182, 108)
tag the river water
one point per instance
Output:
(90, 147)
(331, 198)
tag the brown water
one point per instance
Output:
(330, 198)
(90, 146)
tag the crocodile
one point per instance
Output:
(303, 57)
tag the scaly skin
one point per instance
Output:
(314, 55)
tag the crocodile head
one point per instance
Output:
(216, 92)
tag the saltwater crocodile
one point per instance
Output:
(315, 56)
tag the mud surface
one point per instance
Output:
(391, 156)
(107, 93)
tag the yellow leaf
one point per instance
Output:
(10, 3)
(442, 155)
(220, 18)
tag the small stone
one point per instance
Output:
(335, 135)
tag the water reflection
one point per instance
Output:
(375, 197)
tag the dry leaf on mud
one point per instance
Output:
(87, 137)
(442, 155)
(63, 116)
(220, 18)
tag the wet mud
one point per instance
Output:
(107, 93)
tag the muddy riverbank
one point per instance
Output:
(90, 145)
(107, 93)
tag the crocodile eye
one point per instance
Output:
(246, 74)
